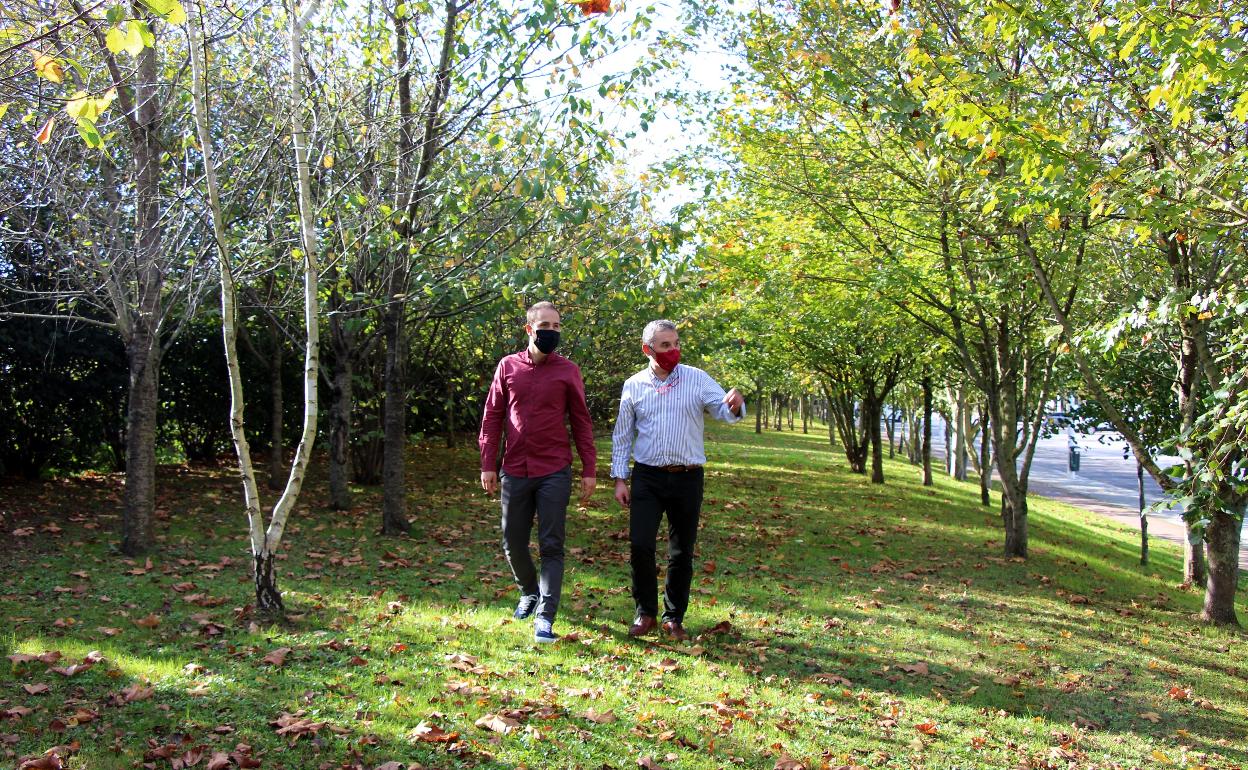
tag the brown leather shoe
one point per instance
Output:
(643, 625)
(675, 630)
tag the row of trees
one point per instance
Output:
(965, 206)
(1012, 202)
(234, 163)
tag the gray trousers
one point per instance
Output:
(546, 497)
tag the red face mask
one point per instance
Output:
(666, 360)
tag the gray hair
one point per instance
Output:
(653, 328)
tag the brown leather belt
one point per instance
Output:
(672, 468)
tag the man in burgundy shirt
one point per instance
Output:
(532, 392)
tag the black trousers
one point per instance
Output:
(656, 492)
(545, 497)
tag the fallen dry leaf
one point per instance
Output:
(648, 763)
(785, 762)
(150, 621)
(218, 761)
(919, 668)
(497, 723)
(35, 689)
(602, 718)
(49, 761)
(427, 733)
(277, 657)
(137, 692)
(927, 728)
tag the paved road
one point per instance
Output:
(1105, 482)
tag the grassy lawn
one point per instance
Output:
(836, 624)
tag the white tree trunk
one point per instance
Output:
(264, 540)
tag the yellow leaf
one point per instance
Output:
(561, 195)
(48, 67)
(115, 40)
(1161, 757)
(45, 133)
(1096, 31)
(4, 108)
(328, 160)
(1053, 222)
(77, 104)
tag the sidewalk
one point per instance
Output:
(1159, 527)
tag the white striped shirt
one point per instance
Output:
(661, 421)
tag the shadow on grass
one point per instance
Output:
(818, 571)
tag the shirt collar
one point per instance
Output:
(670, 375)
(527, 357)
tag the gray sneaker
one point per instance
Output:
(524, 609)
(542, 633)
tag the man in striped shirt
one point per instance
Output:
(660, 425)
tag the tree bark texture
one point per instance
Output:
(268, 597)
(394, 424)
(139, 511)
(143, 340)
(927, 431)
(1222, 538)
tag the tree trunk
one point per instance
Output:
(340, 429)
(1222, 536)
(1014, 520)
(805, 406)
(138, 513)
(758, 413)
(268, 598)
(277, 472)
(877, 444)
(961, 420)
(394, 424)
(1139, 480)
(927, 431)
(143, 341)
(1194, 572)
(891, 427)
(985, 459)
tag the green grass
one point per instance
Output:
(856, 614)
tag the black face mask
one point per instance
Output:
(546, 340)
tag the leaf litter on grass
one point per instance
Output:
(893, 631)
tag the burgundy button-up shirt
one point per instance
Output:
(531, 401)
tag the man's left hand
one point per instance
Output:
(734, 400)
(587, 488)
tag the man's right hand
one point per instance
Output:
(489, 482)
(622, 495)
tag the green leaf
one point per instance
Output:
(90, 134)
(116, 15)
